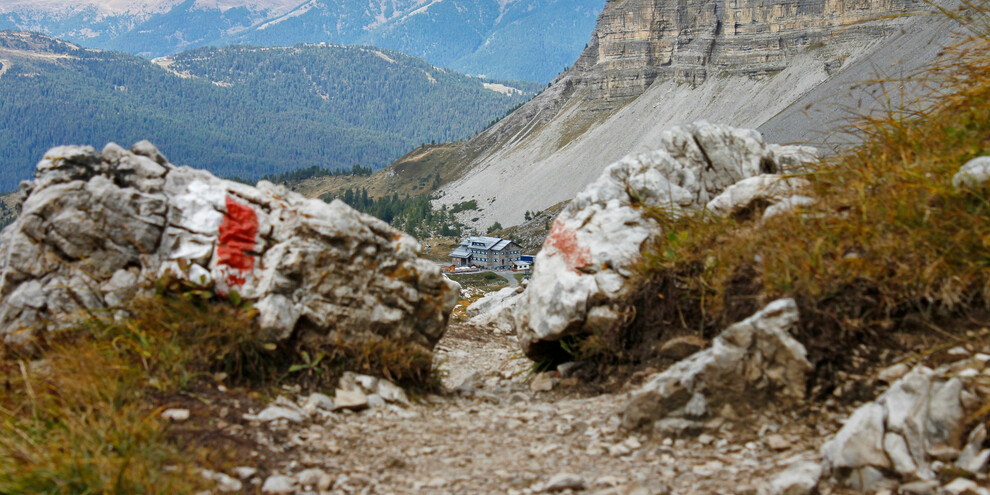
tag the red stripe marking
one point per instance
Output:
(565, 241)
(237, 241)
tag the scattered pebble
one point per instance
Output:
(564, 481)
(176, 415)
(354, 400)
(274, 413)
(277, 484)
(542, 382)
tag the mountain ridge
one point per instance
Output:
(480, 37)
(651, 65)
(239, 111)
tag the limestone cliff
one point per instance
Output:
(653, 64)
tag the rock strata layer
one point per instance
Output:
(585, 272)
(95, 227)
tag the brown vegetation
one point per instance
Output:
(80, 411)
(891, 245)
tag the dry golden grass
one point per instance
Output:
(889, 237)
(80, 413)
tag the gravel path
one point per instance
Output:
(494, 434)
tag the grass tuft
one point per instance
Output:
(80, 411)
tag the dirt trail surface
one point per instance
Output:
(492, 433)
(510, 277)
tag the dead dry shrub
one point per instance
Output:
(79, 410)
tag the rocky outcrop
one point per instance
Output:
(586, 271)
(765, 189)
(96, 226)
(914, 431)
(638, 41)
(496, 311)
(751, 361)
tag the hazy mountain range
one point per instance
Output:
(517, 39)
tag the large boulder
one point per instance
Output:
(584, 275)
(95, 227)
(751, 362)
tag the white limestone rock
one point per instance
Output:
(963, 486)
(860, 441)
(800, 478)
(274, 413)
(95, 227)
(788, 205)
(496, 311)
(582, 276)
(356, 386)
(748, 193)
(224, 482)
(911, 428)
(491, 300)
(974, 174)
(564, 481)
(794, 159)
(749, 362)
(175, 415)
(973, 456)
(278, 484)
(354, 400)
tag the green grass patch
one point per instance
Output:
(483, 280)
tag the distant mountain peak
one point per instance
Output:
(141, 7)
(111, 7)
(507, 39)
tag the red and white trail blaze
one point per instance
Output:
(564, 240)
(236, 244)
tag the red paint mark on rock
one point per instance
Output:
(236, 242)
(565, 241)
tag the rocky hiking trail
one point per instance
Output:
(740, 409)
(500, 429)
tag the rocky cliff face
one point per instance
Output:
(654, 64)
(638, 41)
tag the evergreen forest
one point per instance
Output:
(239, 111)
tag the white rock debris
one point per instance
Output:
(752, 361)
(975, 173)
(584, 273)
(912, 430)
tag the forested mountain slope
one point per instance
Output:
(239, 111)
